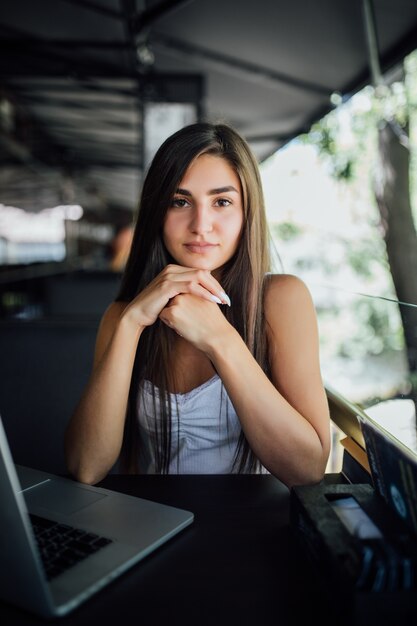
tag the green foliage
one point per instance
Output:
(324, 135)
(377, 329)
(286, 231)
(362, 256)
(346, 137)
(346, 140)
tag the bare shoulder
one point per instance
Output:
(289, 310)
(292, 330)
(286, 293)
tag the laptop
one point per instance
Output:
(393, 468)
(61, 541)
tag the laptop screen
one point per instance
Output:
(394, 470)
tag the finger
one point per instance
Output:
(198, 290)
(207, 281)
(194, 289)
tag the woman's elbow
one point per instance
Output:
(82, 471)
(309, 473)
(317, 470)
(85, 475)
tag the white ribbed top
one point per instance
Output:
(205, 429)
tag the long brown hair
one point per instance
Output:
(243, 277)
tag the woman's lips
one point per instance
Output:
(200, 247)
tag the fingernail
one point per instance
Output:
(216, 299)
(225, 298)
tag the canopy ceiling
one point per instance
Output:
(72, 87)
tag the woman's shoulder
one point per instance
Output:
(280, 285)
(286, 293)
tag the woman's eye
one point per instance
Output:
(179, 203)
(223, 202)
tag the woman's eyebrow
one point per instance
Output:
(212, 192)
(226, 189)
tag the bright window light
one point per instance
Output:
(27, 237)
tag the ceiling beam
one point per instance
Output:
(23, 53)
(23, 153)
(97, 8)
(32, 99)
(18, 43)
(129, 13)
(69, 84)
(229, 64)
(147, 18)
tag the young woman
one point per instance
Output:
(206, 362)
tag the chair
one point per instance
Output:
(44, 365)
(343, 413)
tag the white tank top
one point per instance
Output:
(205, 429)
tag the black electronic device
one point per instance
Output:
(362, 538)
(362, 552)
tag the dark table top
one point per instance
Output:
(231, 566)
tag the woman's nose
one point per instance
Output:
(201, 220)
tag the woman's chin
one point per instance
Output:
(199, 264)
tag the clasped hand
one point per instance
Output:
(184, 298)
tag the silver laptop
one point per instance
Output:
(61, 541)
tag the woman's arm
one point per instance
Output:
(94, 435)
(286, 420)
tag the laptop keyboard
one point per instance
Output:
(62, 546)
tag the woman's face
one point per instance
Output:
(203, 225)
